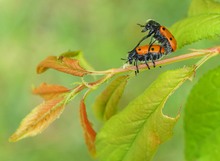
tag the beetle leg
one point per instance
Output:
(151, 58)
(136, 64)
(151, 43)
(145, 60)
(145, 37)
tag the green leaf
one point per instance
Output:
(105, 105)
(198, 7)
(196, 28)
(135, 133)
(71, 54)
(202, 119)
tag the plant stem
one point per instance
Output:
(207, 53)
(196, 54)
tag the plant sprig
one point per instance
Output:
(72, 66)
(143, 117)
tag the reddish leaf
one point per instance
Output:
(39, 119)
(89, 132)
(50, 91)
(63, 64)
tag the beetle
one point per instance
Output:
(160, 34)
(145, 53)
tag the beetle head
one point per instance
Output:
(150, 25)
(131, 56)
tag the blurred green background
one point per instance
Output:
(104, 30)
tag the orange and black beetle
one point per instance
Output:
(145, 53)
(160, 34)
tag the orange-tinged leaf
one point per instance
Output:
(63, 64)
(79, 56)
(39, 119)
(45, 64)
(89, 132)
(50, 91)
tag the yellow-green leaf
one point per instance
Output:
(198, 7)
(135, 133)
(202, 118)
(105, 105)
(195, 28)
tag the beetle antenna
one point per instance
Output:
(140, 25)
(124, 59)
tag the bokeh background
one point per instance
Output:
(104, 30)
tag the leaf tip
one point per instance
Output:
(14, 138)
(11, 139)
(89, 132)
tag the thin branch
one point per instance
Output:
(193, 55)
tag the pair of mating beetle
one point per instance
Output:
(152, 52)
